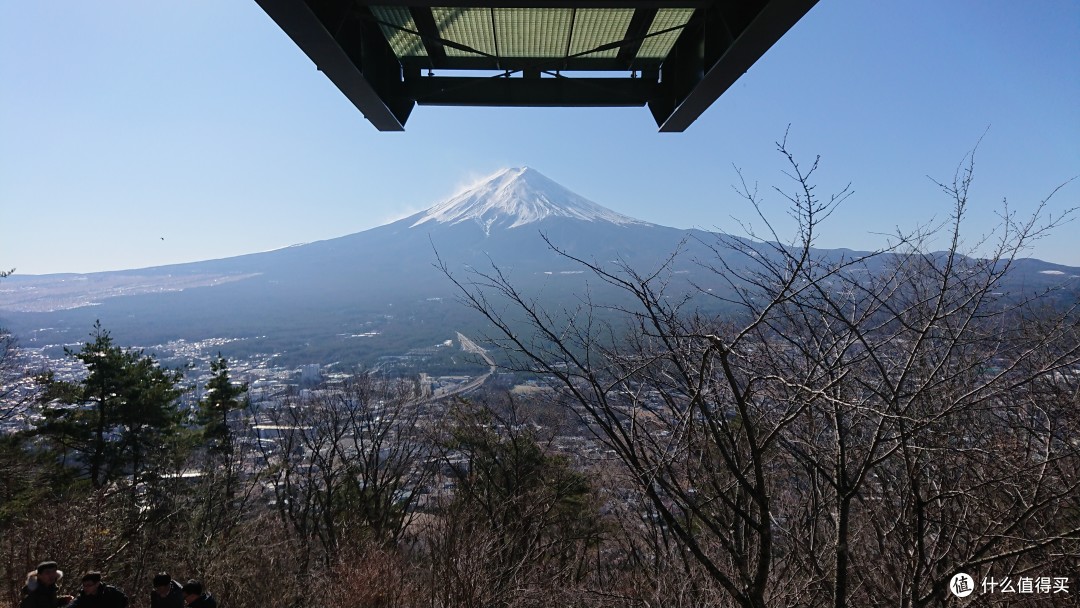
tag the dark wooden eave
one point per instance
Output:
(719, 43)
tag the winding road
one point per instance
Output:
(469, 346)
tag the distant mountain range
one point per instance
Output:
(375, 292)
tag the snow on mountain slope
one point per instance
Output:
(516, 197)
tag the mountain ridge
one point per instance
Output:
(383, 282)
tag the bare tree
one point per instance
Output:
(347, 466)
(521, 521)
(841, 409)
(11, 372)
(921, 363)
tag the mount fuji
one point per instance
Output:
(308, 300)
(515, 197)
(374, 292)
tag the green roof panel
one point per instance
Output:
(394, 21)
(670, 21)
(532, 32)
(471, 27)
(594, 27)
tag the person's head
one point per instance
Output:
(91, 583)
(48, 573)
(162, 584)
(193, 590)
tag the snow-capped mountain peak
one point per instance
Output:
(516, 197)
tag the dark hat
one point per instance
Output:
(161, 579)
(46, 566)
(192, 587)
(92, 577)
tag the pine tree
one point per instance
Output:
(115, 421)
(221, 504)
(222, 396)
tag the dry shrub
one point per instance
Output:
(367, 576)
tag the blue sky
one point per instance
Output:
(199, 122)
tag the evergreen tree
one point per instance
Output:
(221, 503)
(116, 420)
(222, 396)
